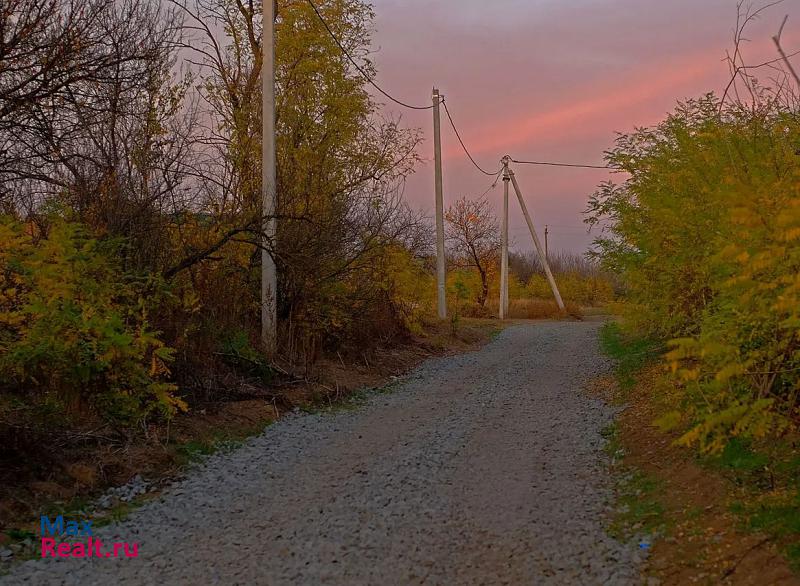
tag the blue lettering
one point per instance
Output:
(52, 528)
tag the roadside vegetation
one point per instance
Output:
(582, 283)
(704, 235)
(697, 518)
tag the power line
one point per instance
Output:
(549, 164)
(371, 81)
(359, 68)
(463, 146)
(493, 185)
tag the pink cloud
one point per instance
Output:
(587, 115)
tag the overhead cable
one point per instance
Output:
(360, 69)
(463, 146)
(550, 164)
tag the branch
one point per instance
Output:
(202, 255)
(777, 40)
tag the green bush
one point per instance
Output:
(74, 327)
(706, 235)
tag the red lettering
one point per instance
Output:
(78, 550)
(133, 552)
(48, 547)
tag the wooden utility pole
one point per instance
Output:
(536, 242)
(441, 274)
(269, 277)
(504, 246)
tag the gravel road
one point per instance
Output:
(483, 468)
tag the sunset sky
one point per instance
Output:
(553, 80)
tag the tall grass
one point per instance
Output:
(535, 309)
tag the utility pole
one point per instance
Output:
(536, 242)
(269, 276)
(504, 245)
(441, 274)
(546, 232)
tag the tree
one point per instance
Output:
(89, 117)
(474, 236)
(48, 48)
(341, 165)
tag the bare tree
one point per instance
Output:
(92, 119)
(474, 236)
(744, 89)
(50, 46)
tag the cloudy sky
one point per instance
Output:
(553, 80)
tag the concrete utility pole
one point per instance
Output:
(504, 246)
(269, 276)
(441, 275)
(546, 232)
(536, 242)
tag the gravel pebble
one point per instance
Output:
(483, 468)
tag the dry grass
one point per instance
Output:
(537, 309)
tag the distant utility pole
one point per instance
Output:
(536, 242)
(269, 276)
(546, 232)
(504, 246)
(441, 275)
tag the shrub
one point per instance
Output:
(707, 237)
(74, 327)
(411, 290)
(587, 290)
(464, 289)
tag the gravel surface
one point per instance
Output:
(484, 468)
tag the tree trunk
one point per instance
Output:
(484, 288)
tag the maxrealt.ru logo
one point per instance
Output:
(87, 546)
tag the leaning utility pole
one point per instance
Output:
(441, 275)
(269, 277)
(504, 246)
(536, 242)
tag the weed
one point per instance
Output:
(20, 534)
(630, 353)
(613, 445)
(639, 509)
(120, 511)
(776, 515)
(224, 441)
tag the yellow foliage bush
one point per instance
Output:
(410, 288)
(707, 239)
(74, 330)
(583, 290)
